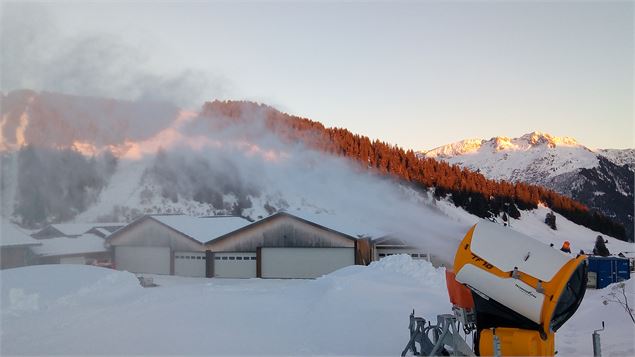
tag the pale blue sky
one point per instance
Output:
(418, 75)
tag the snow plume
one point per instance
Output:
(219, 165)
(54, 86)
(199, 164)
(242, 167)
(48, 185)
(35, 55)
(54, 120)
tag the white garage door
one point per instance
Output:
(304, 262)
(234, 265)
(150, 260)
(189, 264)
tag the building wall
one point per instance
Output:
(281, 231)
(88, 258)
(13, 257)
(152, 234)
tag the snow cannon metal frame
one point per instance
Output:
(523, 290)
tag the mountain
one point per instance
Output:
(106, 159)
(601, 179)
(56, 120)
(620, 157)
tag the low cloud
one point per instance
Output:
(34, 55)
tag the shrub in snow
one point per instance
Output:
(550, 220)
(619, 296)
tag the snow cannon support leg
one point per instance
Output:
(446, 340)
(418, 335)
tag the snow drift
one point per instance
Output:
(363, 311)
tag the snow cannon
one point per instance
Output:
(523, 290)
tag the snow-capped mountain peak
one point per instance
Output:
(537, 138)
(503, 143)
(459, 148)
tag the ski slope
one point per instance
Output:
(355, 311)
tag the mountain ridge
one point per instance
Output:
(247, 130)
(602, 178)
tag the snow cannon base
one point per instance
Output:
(514, 342)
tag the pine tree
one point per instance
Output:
(550, 220)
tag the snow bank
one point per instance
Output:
(420, 271)
(41, 287)
(354, 311)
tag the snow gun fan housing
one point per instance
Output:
(523, 290)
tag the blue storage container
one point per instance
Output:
(609, 270)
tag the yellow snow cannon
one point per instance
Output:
(523, 290)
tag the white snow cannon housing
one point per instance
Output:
(519, 283)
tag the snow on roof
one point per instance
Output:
(202, 229)
(389, 240)
(342, 224)
(103, 231)
(11, 235)
(85, 243)
(75, 229)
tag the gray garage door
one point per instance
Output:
(150, 260)
(189, 264)
(414, 253)
(234, 265)
(304, 262)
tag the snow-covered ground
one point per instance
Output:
(531, 223)
(81, 310)
(618, 338)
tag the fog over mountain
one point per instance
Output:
(194, 164)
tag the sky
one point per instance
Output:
(415, 74)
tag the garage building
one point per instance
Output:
(390, 245)
(284, 246)
(15, 246)
(87, 248)
(169, 244)
(279, 246)
(71, 230)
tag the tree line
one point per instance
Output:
(470, 190)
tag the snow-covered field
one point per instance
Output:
(531, 223)
(81, 310)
